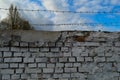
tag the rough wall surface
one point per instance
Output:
(69, 55)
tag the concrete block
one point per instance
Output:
(64, 49)
(28, 60)
(71, 59)
(55, 49)
(32, 65)
(67, 54)
(34, 49)
(59, 64)
(7, 54)
(41, 65)
(19, 71)
(68, 64)
(99, 59)
(70, 70)
(13, 60)
(7, 71)
(13, 65)
(4, 65)
(15, 76)
(44, 49)
(4, 49)
(48, 70)
(6, 77)
(80, 59)
(42, 60)
(58, 70)
(49, 65)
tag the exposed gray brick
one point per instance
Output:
(88, 59)
(4, 65)
(12, 60)
(32, 65)
(7, 54)
(65, 49)
(63, 59)
(68, 64)
(7, 71)
(15, 76)
(99, 59)
(48, 70)
(76, 64)
(70, 69)
(59, 44)
(80, 59)
(23, 44)
(5, 77)
(42, 65)
(34, 49)
(58, 70)
(50, 65)
(84, 54)
(68, 44)
(41, 59)
(4, 48)
(72, 59)
(24, 49)
(0, 54)
(17, 54)
(67, 54)
(44, 49)
(29, 60)
(21, 65)
(66, 75)
(13, 65)
(18, 71)
(55, 49)
(35, 70)
(59, 64)
(17, 49)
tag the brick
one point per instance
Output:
(70, 69)
(7, 54)
(84, 54)
(15, 76)
(80, 59)
(17, 54)
(17, 49)
(50, 65)
(41, 65)
(34, 49)
(41, 60)
(76, 51)
(55, 49)
(66, 75)
(0, 54)
(88, 59)
(12, 60)
(6, 77)
(19, 71)
(68, 44)
(72, 59)
(24, 76)
(117, 44)
(7, 71)
(108, 54)
(68, 64)
(59, 44)
(63, 59)
(23, 44)
(29, 60)
(64, 49)
(99, 59)
(27, 70)
(51, 44)
(32, 65)
(59, 64)
(13, 65)
(48, 70)
(76, 64)
(4, 48)
(4, 65)
(24, 49)
(67, 54)
(44, 49)
(21, 65)
(58, 70)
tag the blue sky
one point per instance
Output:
(112, 20)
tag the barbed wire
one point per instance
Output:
(81, 24)
(61, 11)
